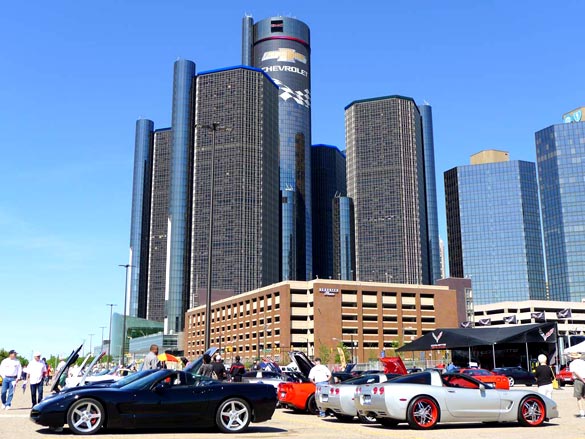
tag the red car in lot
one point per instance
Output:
(485, 376)
(299, 395)
(565, 376)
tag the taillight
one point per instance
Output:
(375, 390)
(358, 390)
(331, 390)
(337, 391)
(381, 390)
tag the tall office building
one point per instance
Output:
(281, 47)
(154, 302)
(386, 180)
(328, 182)
(493, 227)
(343, 238)
(237, 116)
(560, 151)
(426, 113)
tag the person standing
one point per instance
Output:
(320, 375)
(206, 368)
(219, 368)
(577, 367)
(10, 370)
(151, 359)
(544, 377)
(35, 372)
(237, 369)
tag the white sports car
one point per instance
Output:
(338, 399)
(424, 399)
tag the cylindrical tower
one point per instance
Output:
(247, 41)
(140, 220)
(178, 242)
(282, 49)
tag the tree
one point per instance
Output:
(324, 354)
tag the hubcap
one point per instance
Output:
(423, 412)
(234, 415)
(532, 411)
(86, 417)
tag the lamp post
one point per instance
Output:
(213, 127)
(111, 305)
(352, 354)
(90, 340)
(123, 349)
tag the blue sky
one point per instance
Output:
(74, 77)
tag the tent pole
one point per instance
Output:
(527, 359)
(469, 356)
(494, 354)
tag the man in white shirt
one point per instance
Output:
(35, 371)
(10, 370)
(577, 367)
(320, 375)
(151, 359)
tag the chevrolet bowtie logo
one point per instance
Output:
(547, 335)
(285, 55)
(437, 337)
(564, 313)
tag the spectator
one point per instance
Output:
(577, 366)
(10, 370)
(206, 368)
(35, 372)
(320, 375)
(219, 368)
(237, 370)
(151, 359)
(544, 377)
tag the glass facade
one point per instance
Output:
(343, 238)
(140, 220)
(159, 208)
(177, 295)
(386, 180)
(245, 194)
(493, 223)
(328, 181)
(281, 47)
(426, 113)
(560, 151)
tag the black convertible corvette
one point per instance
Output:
(164, 399)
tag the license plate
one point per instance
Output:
(367, 399)
(324, 398)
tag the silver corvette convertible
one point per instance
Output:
(337, 399)
(424, 399)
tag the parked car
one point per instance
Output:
(485, 376)
(163, 399)
(299, 395)
(338, 399)
(565, 376)
(516, 375)
(424, 399)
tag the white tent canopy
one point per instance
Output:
(580, 347)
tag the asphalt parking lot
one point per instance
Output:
(14, 424)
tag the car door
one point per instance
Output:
(172, 401)
(466, 399)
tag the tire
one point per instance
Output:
(312, 405)
(531, 412)
(511, 381)
(343, 418)
(387, 422)
(86, 416)
(233, 415)
(367, 419)
(423, 413)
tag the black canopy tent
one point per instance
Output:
(458, 338)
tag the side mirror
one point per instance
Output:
(161, 387)
(482, 388)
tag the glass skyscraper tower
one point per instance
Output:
(560, 152)
(493, 226)
(386, 180)
(281, 47)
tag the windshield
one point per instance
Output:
(133, 377)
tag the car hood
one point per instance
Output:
(303, 363)
(70, 361)
(90, 368)
(394, 365)
(194, 366)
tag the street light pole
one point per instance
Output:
(352, 356)
(126, 266)
(111, 305)
(213, 127)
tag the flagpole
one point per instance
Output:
(494, 354)
(527, 359)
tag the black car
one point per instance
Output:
(516, 375)
(159, 400)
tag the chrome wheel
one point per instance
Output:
(423, 413)
(532, 412)
(86, 416)
(233, 415)
(511, 381)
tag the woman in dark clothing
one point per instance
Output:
(544, 377)
(206, 369)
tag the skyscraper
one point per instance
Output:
(281, 47)
(154, 302)
(328, 182)
(140, 220)
(426, 113)
(386, 180)
(560, 152)
(493, 226)
(242, 102)
(343, 238)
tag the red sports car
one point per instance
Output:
(565, 376)
(483, 375)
